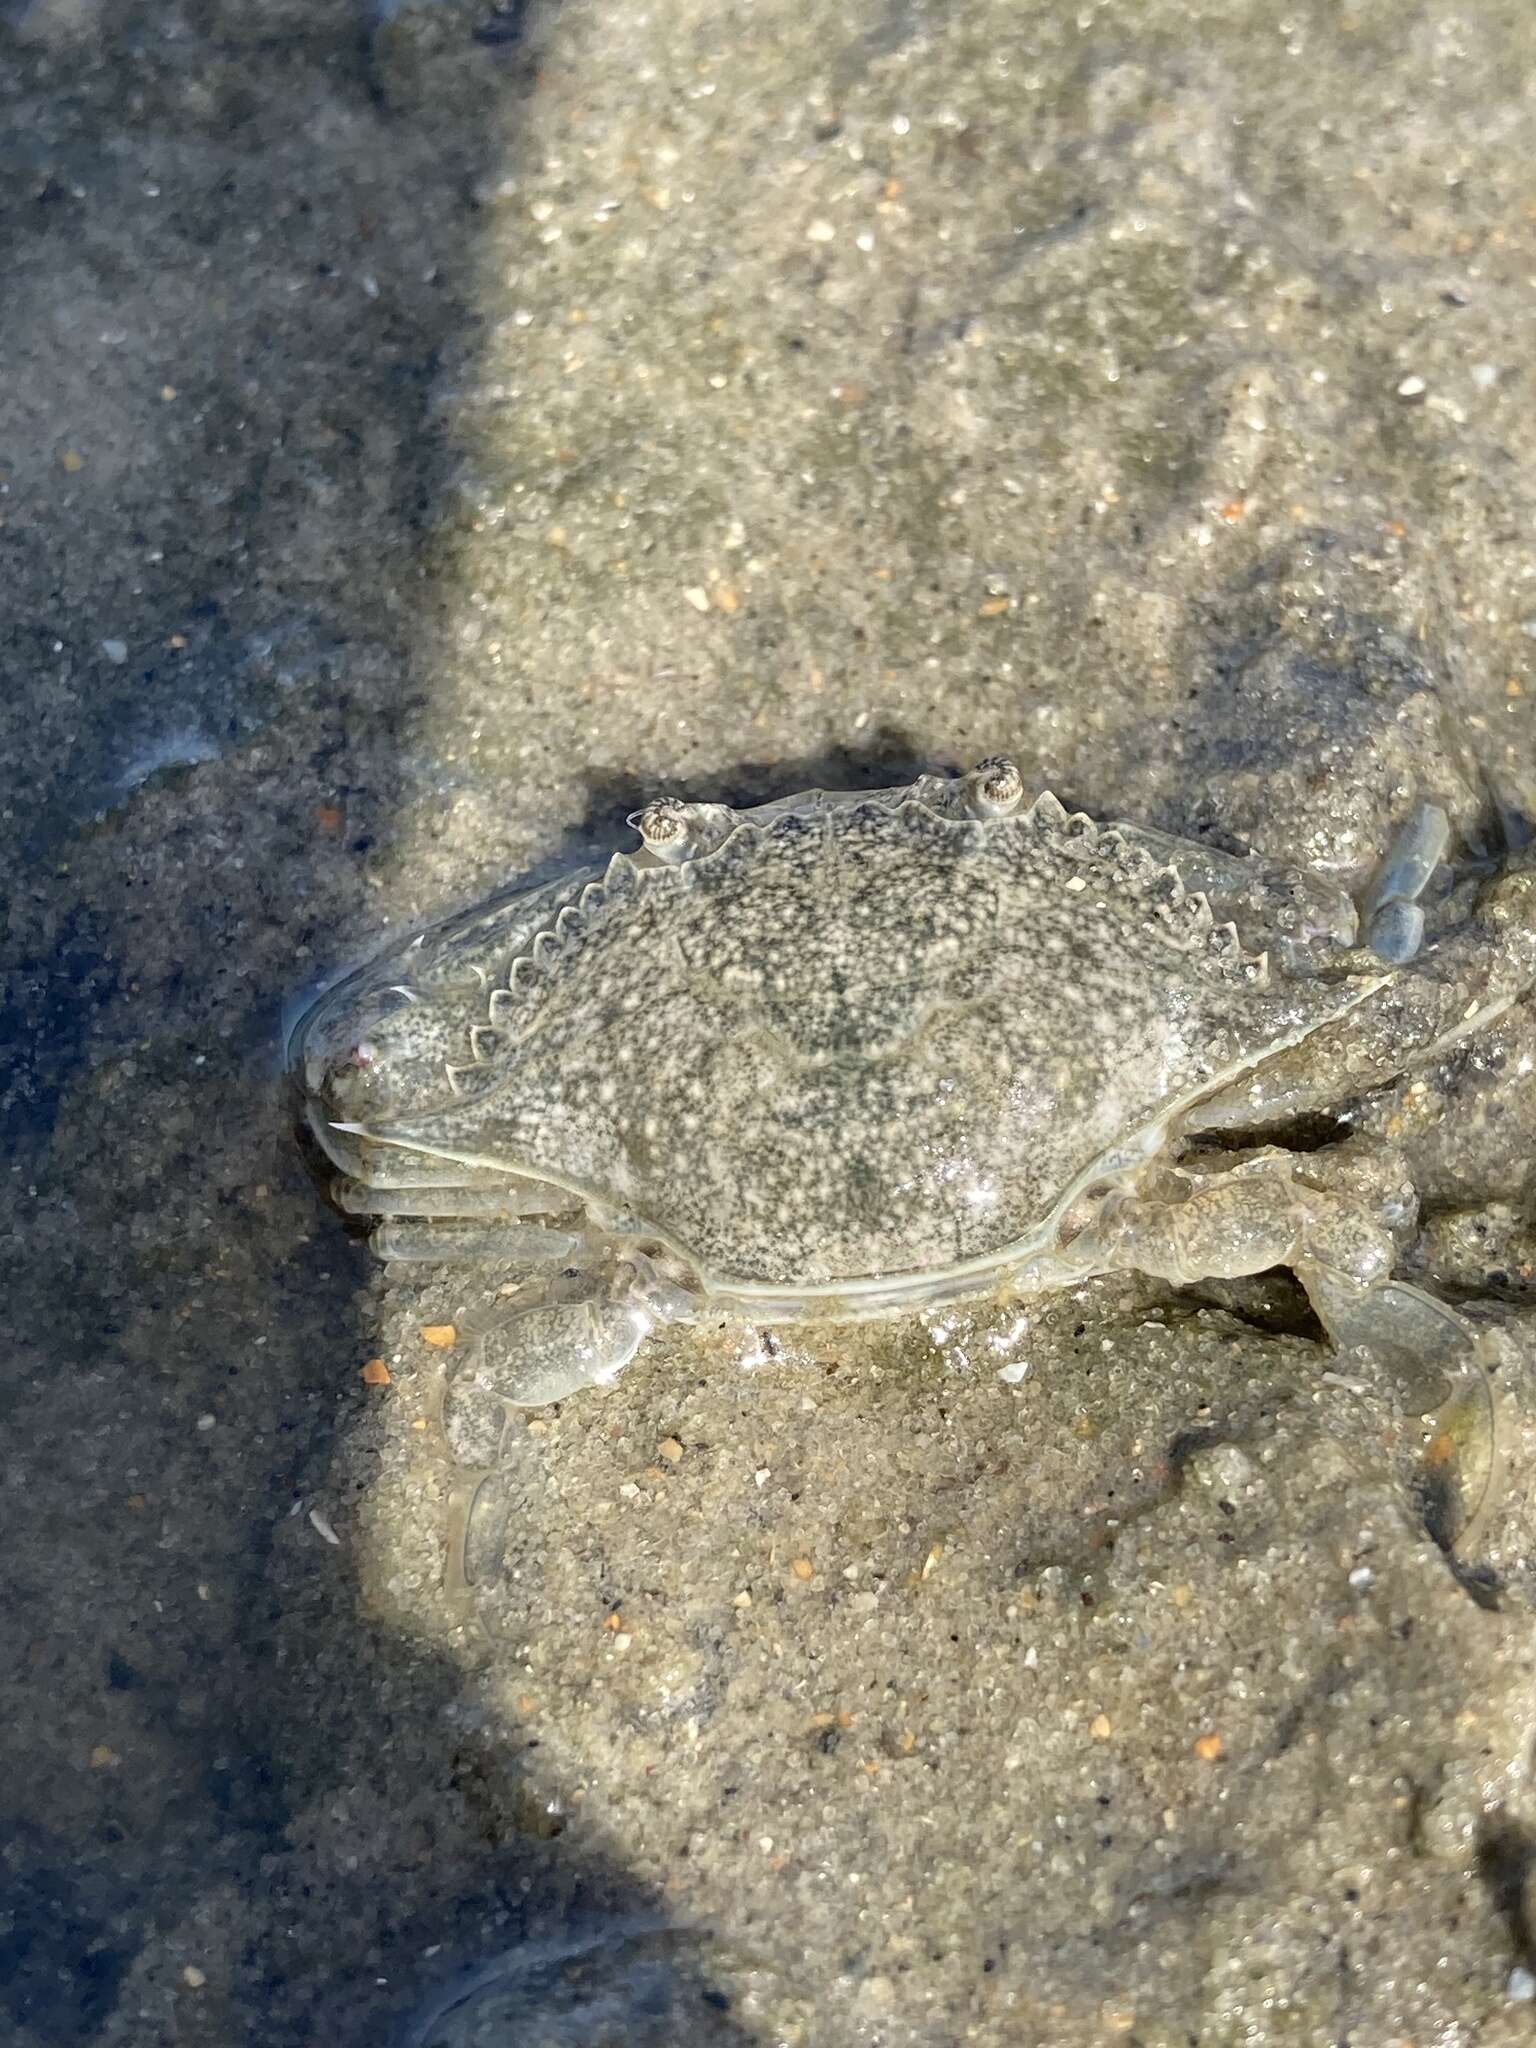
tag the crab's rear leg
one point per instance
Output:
(1258, 1216)
(526, 1357)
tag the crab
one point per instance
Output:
(853, 1054)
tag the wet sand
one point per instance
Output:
(420, 442)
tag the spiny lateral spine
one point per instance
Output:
(528, 968)
(1179, 915)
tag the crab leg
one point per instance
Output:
(573, 1333)
(451, 1198)
(1258, 1216)
(428, 1240)
(394, 1167)
(1242, 886)
(544, 1354)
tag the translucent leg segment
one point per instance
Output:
(428, 1240)
(1259, 1215)
(1390, 913)
(450, 1198)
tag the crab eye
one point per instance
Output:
(997, 786)
(664, 827)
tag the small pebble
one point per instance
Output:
(670, 1449)
(193, 1977)
(820, 231)
(115, 650)
(1412, 387)
(441, 1336)
(803, 1568)
(322, 1527)
(1520, 1987)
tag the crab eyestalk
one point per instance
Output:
(672, 830)
(663, 828)
(996, 787)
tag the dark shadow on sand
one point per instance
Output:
(237, 1806)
